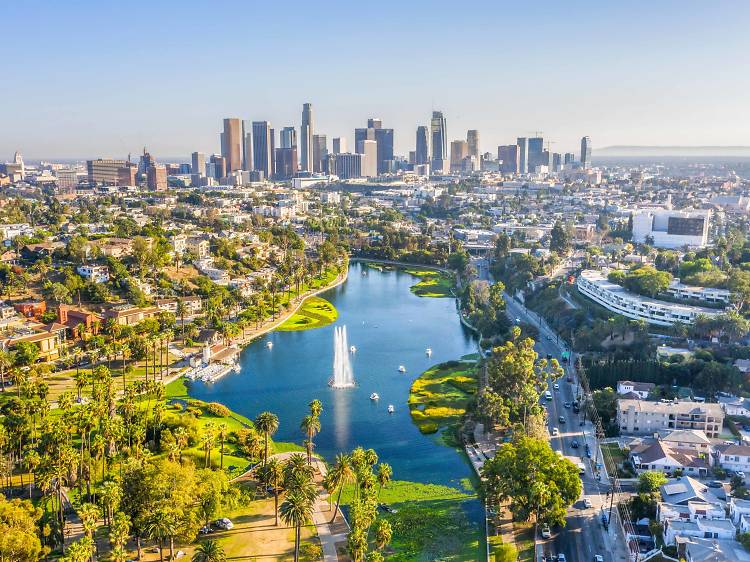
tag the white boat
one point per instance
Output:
(391, 409)
(236, 368)
(374, 396)
(352, 349)
(401, 369)
(269, 344)
(428, 351)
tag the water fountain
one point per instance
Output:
(343, 377)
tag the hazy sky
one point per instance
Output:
(85, 78)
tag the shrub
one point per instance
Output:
(217, 409)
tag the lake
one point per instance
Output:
(390, 326)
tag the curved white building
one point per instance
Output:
(596, 286)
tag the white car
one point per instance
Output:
(587, 503)
(556, 386)
(598, 558)
(224, 523)
(546, 533)
(555, 431)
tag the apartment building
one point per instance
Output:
(641, 417)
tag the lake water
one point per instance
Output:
(390, 326)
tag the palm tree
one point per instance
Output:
(316, 408)
(267, 423)
(209, 551)
(383, 533)
(272, 474)
(208, 442)
(6, 361)
(342, 473)
(159, 526)
(384, 475)
(357, 544)
(181, 311)
(222, 434)
(89, 514)
(296, 511)
(311, 426)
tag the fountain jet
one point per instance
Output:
(343, 377)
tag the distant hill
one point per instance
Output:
(634, 150)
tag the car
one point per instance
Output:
(224, 523)
(561, 419)
(574, 443)
(588, 450)
(715, 484)
(561, 558)
(546, 533)
(567, 405)
(556, 386)
(598, 558)
(587, 503)
(206, 529)
(549, 357)
(740, 474)
(569, 379)
(555, 431)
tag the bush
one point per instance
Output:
(310, 552)
(217, 409)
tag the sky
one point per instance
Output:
(86, 78)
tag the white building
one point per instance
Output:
(671, 229)
(94, 273)
(640, 389)
(734, 457)
(595, 285)
(705, 294)
(643, 417)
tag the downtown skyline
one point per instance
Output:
(626, 75)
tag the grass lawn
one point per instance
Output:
(615, 453)
(431, 523)
(314, 313)
(524, 536)
(433, 283)
(439, 396)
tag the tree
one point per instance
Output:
(538, 482)
(341, 474)
(26, 353)
(383, 533)
(267, 423)
(296, 511)
(19, 541)
(209, 551)
(561, 239)
(650, 481)
(310, 426)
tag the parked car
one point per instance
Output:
(588, 450)
(598, 558)
(587, 503)
(567, 405)
(224, 523)
(574, 444)
(387, 508)
(546, 533)
(561, 419)
(205, 530)
(556, 386)
(555, 431)
(740, 474)
(569, 379)
(715, 484)
(561, 558)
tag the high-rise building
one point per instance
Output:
(363, 134)
(472, 139)
(247, 145)
(231, 144)
(199, 163)
(288, 137)
(345, 165)
(104, 171)
(339, 145)
(535, 153)
(439, 142)
(384, 138)
(556, 161)
(286, 162)
(219, 164)
(127, 174)
(145, 161)
(374, 123)
(156, 177)
(306, 135)
(586, 152)
(422, 155)
(510, 158)
(569, 158)
(263, 148)
(67, 181)
(369, 151)
(320, 152)
(459, 151)
(523, 162)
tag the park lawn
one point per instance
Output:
(316, 312)
(525, 543)
(430, 523)
(433, 283)
(438, 398)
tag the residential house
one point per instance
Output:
(638, 389)
(681, 491)
(641, 417)
(48, 343)
(193, 305)
(694, 549)
(734, 405)
(31, 309)
(129, 315)
(667, 457)
(733, 457)
(701, 528)
(94, 273)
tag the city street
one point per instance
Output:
(584, 535)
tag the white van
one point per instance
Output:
(548, 395)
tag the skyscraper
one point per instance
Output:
(231, 144)
(339, 145)
(156, 176)
(288, 137)
(319, 152)
(472, 139)
(219, 166)
(569, 158)
(362, 134)
(306, 135)
(199, 163)
(535, 154)
(263, 148)
(374, 123)
(439, 141)
(523, 163)
(369, 151)
(585, 152)
(459, 151)
(422, 155)
(345, 165)
(384, 138)
(247, 145)
(286, 162)
(510, 156)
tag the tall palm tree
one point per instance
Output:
(296, 510)
(316, 408)
(385, 472)
(274, 475)
(267, 423)
(89, 514)
(310, 426)
(181, 311)
(222, 432)
(160, 525)
(209, 551)
(6, 361)
(342, 473)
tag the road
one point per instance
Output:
(584, 536)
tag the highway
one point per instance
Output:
(584, 536)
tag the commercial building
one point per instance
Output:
(472, 139)
(523, 155)
(231, 144)
(346, 165)
(67, 180)
(288, 137)
(704, 294)
(642, 417)
(422, 153)
(459, 151)
(156, 177)
(104, 171)
(535, 155)
(306, 135)
(319, 152)
(369, 151)
(439, 138)
(198, 163)
(339, 145)
(127, 174)
(585, 152)
(263, 146)
(595, 285)
(510, 158)
(286, 163)
(666, 228)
